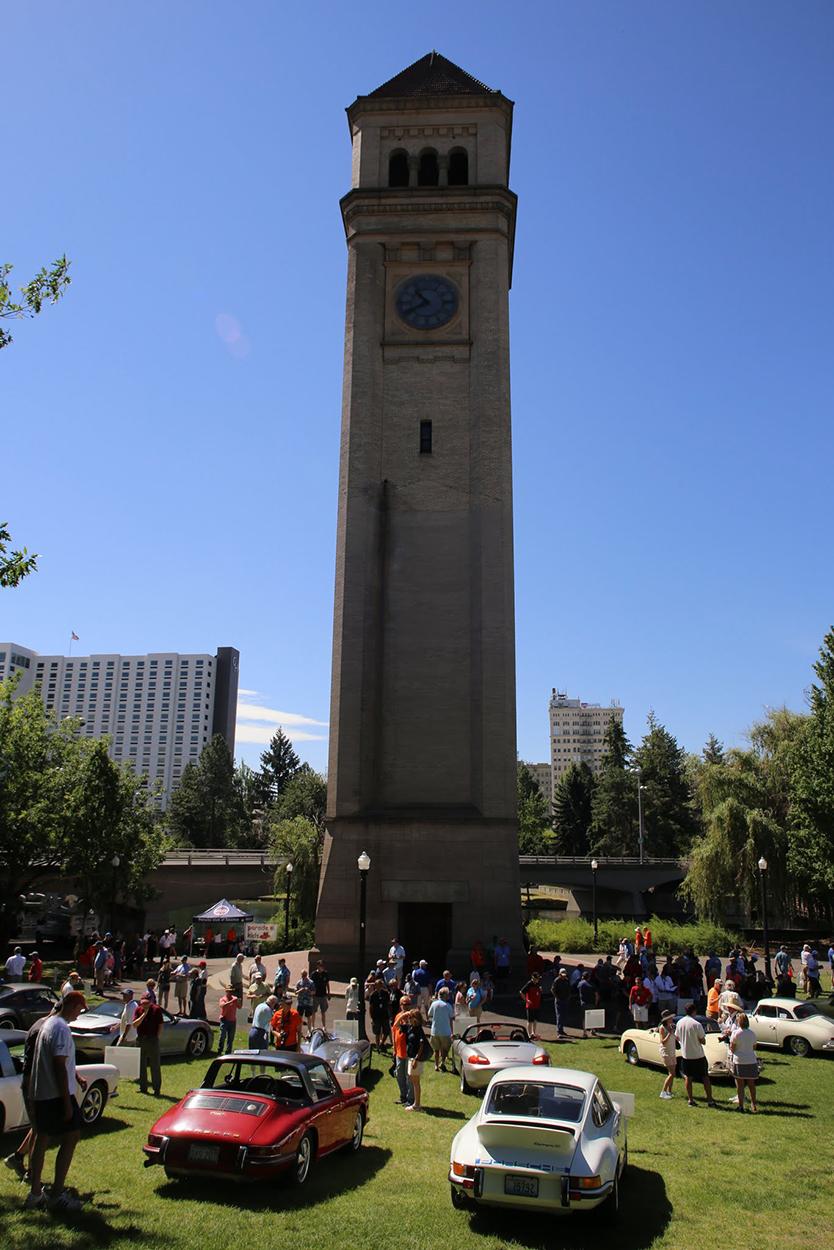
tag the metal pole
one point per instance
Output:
(288, 875)
(596, 925)
(640, 811)
(765, 934)
(363, 902)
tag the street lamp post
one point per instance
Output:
(287, 905)
(641, 789)
(765, 934)
(594, 869)
(115, 861)
(363, 863)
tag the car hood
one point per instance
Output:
(527, 1143)
(90, 1022)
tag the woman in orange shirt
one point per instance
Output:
(712, 1000)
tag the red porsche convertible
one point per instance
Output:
(256, 1116)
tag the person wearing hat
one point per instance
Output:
(149, 1021)
(257, 992)
(803, 971)
(729, 1000)
(73, 982)
(261, 1021)
(352, 999)
(36, 970)
(561, 998)
(666, 1034)
(285, 1026)
(127, 1029)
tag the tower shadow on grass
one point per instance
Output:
(645, 1211)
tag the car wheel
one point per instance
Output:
(356, 1136)
(198, 1044)
(303, 1162)
(7, 1023)
(94, 1103)
(464, 1088)
(631, 1054)
(610, 1209)
(459, 1200)
(799, 1046)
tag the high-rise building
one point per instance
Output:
(577, 732)
(542, 774)
(159, 710)
(422, 769)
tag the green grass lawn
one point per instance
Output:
(696, 1179)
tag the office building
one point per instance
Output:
(542, 774)
(159, 710)
(577, 732)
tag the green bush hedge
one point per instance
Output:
(669, 936)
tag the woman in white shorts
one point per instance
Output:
(745, 1064)
(668, 1054)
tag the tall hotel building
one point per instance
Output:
(159, 710)
(577, 732)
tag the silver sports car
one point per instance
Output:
(344, 1054)
(484, 1049)
(94, 1030)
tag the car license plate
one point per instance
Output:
(198, 1153)
(522, 1186)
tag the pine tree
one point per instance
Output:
(534, 833)
(811, 855)
(572, 809)
(669, 815)
(713, 751)
(206, 808)
(614, 805)
(279, 763)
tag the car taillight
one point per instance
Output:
(462, 1169)
(155, 1139)
(541, 1059)
(585, 1182)
(266, 1152)
(478, 1059)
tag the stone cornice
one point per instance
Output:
(404, 105)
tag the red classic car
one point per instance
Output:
(259, 1114)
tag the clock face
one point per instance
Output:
(426, 301)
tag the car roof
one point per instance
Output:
(13, 1037)
(286, 1058)
(783, 1001)
(23, 985)
(551, 1076)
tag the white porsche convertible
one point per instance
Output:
(547, 1139)
(102, 1082)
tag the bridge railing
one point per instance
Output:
(584, 861)
(197, 855)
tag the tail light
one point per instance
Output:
(545, 1059)
(478, 1060)
(585, 1182)
(463, 1169)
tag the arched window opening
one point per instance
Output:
(458, 168)
(428, 173)
(398, 169)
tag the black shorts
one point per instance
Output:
(49, 1117)
(695, 1069)
(533, 1014)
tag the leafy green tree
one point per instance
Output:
(111, 840)
(535, 836)
(299, 841)
(47, 287)
(37, 760)
(670, 818)
(14, 565)
(305, 794)
(811, 855)
(614, 804)
(206, 809)
(573, 810)
(279, 763)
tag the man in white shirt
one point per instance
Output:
(397, 953)
(15, 965)
(690, 1036)
(127, 1033)
(53, 1087)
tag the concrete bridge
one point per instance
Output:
(625, 886)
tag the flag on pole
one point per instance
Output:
(73, 636)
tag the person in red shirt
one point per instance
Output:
(400, 1044)
(36, 971)
(148, 1023)
(535, 963)
(531, 992)
(638, 1000)
(285, 1026)
(638, 940)
(228, 1021)
(478, 957)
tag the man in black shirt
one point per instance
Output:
(321, 981)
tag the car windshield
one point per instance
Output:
(709, 1026)
(541, 1099)
(495, 1033)
(804, 1011)
(105, 1009)
(275, 1080)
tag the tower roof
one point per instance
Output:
(433, 74)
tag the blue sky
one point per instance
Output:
(173, 425)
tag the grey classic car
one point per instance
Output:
(343, 1053)
(94, 1030)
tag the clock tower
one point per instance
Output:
(422, 770)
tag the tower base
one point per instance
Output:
(436, 885)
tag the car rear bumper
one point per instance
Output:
(555, 1194)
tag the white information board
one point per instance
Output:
(595, 1018)
(260, 932)
(125, 1058)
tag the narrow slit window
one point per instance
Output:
(425, 438)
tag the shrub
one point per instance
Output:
(670, 936)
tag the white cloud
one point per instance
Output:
(263, 734)
(272, 715)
